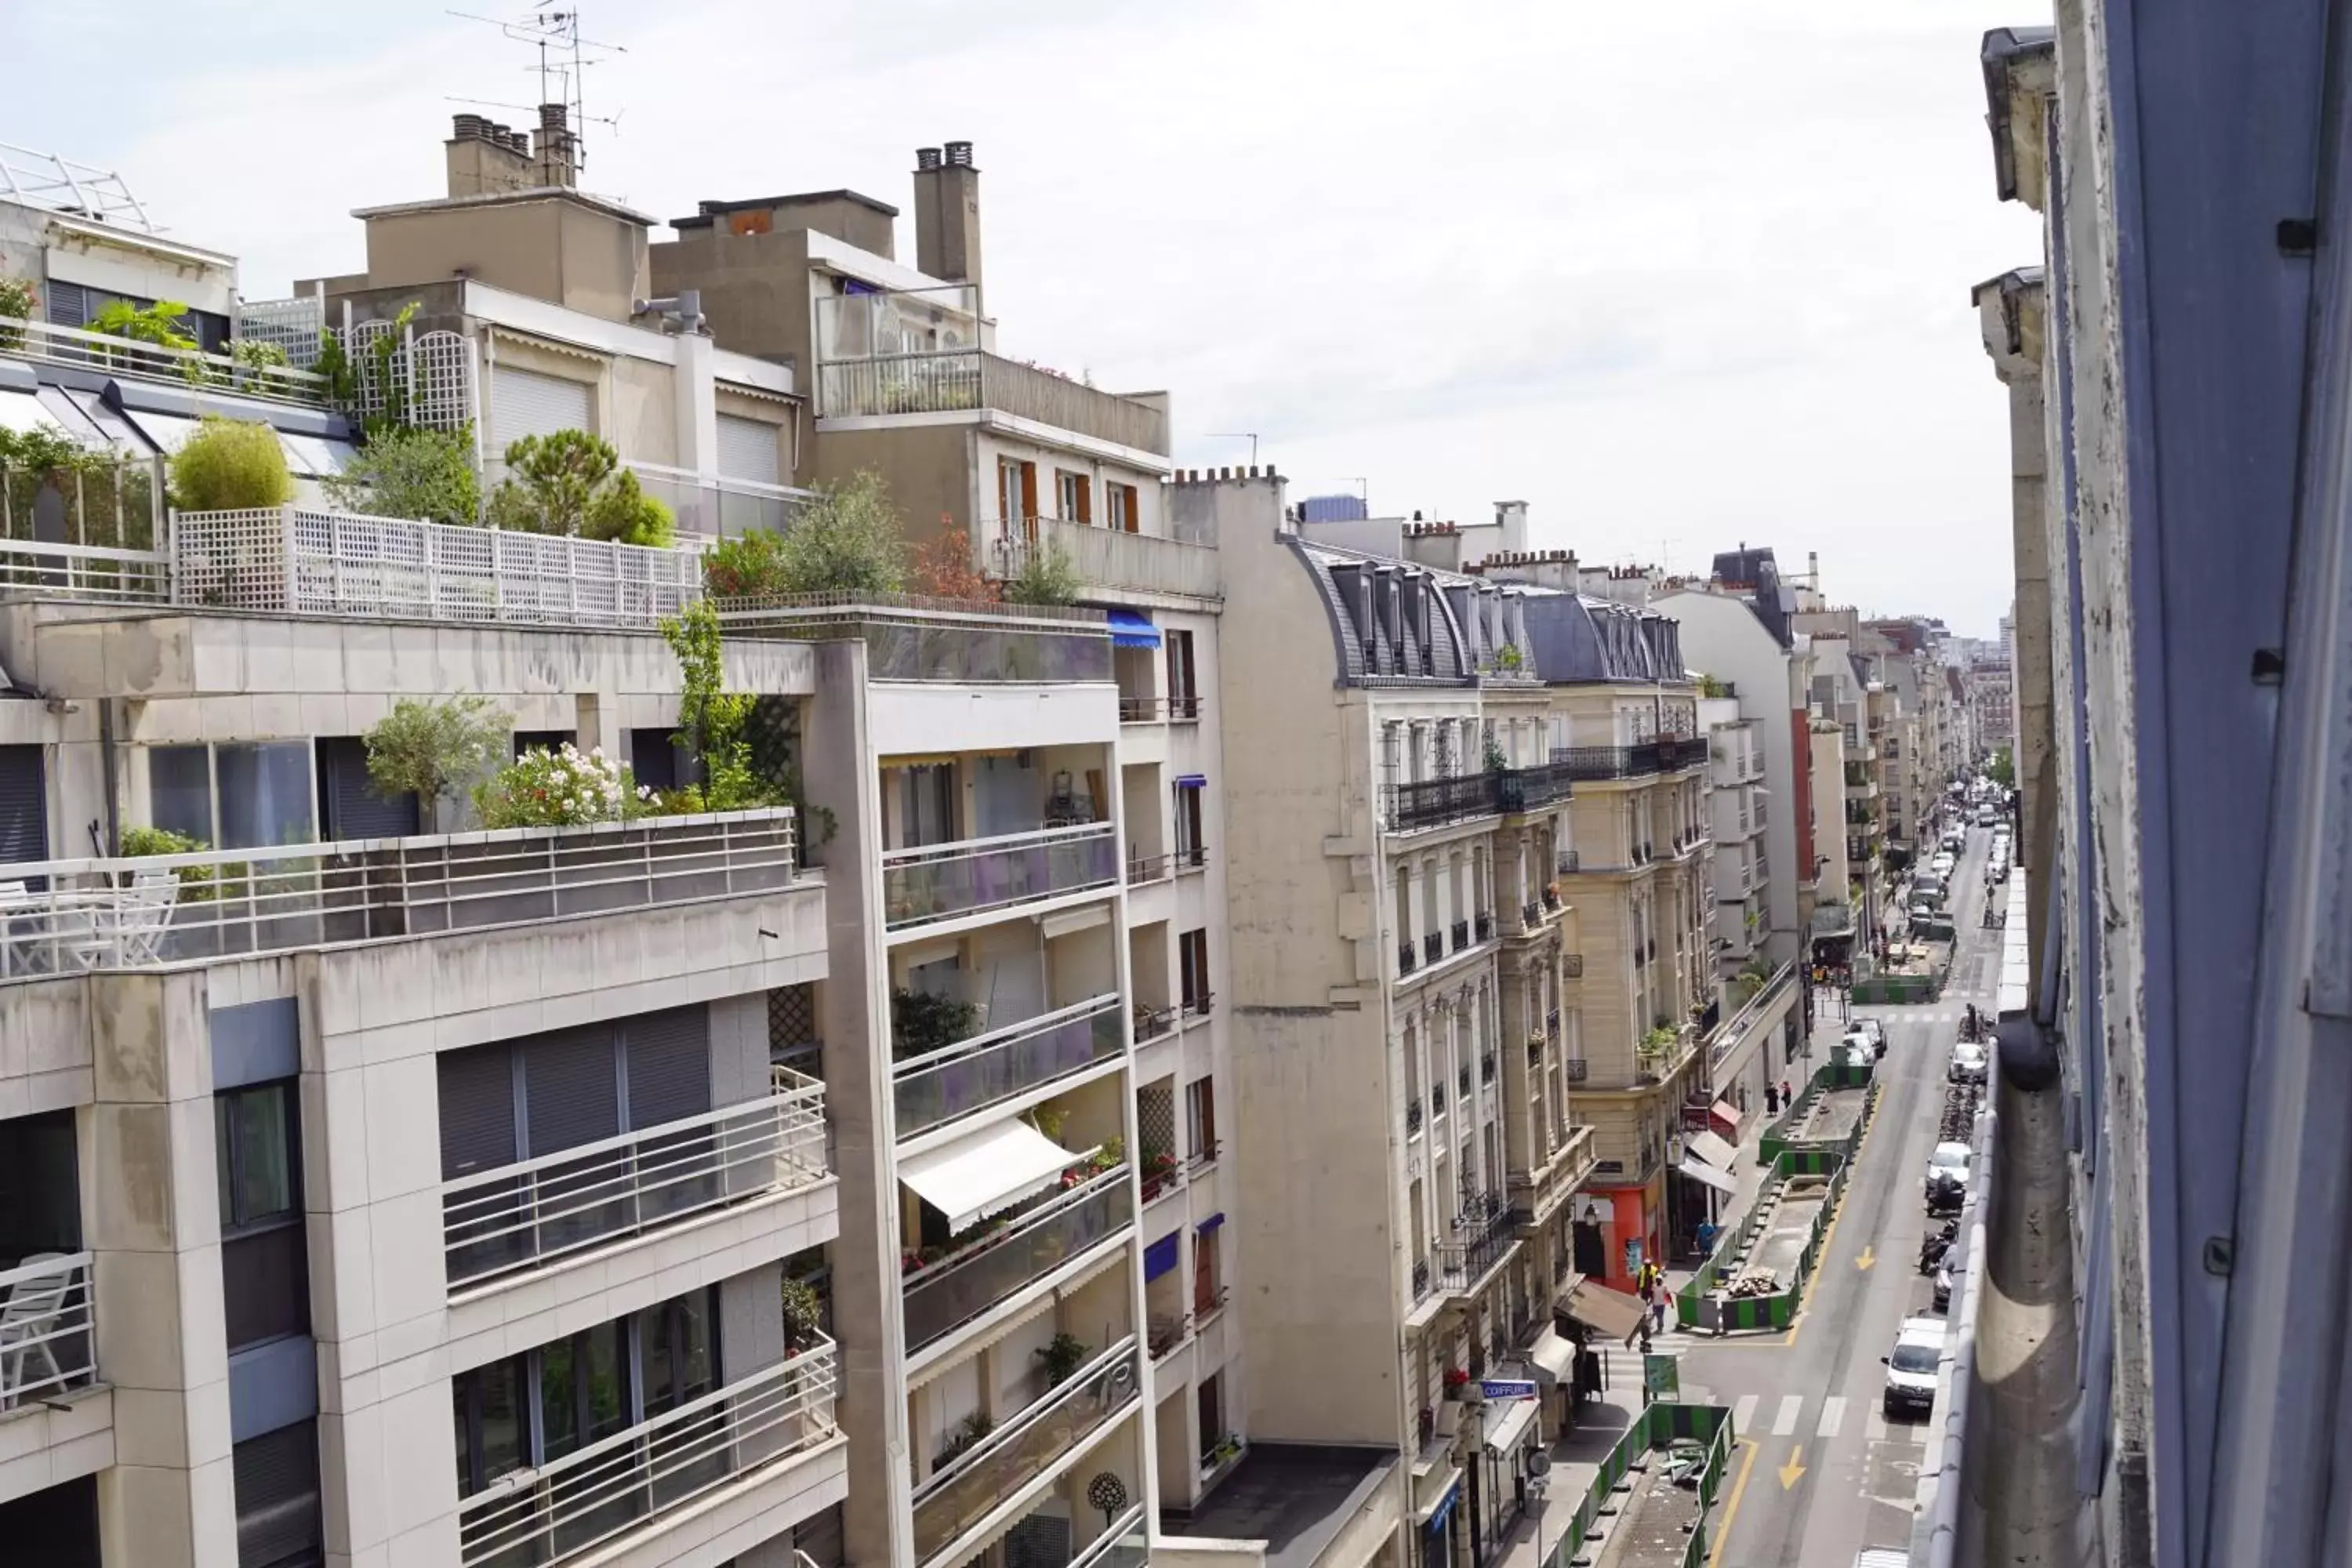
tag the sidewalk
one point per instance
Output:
(1576, 1459)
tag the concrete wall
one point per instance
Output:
(929, 468)
(558, 248)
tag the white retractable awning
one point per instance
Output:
(1711, 1147)
(985, 1171)
(1707, 1175)
(1506, 1425)
(1613, 1312)
(1550, 1357)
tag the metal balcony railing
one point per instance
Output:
(935, 1089)
(1571, 965)
(944, 1296)
(1154, 1020)
(941, 881)
(1551, 899)
(1407, 960)
(1531, 912)
(1487, 1068)
(1192, 857)
(1180, 710)
(304, 562)
(1420, 1279)
(1565, 863)
(1434, 803)
(1146, 868)
(1413, 1119)
(1485, 925)
(516, 1217)
(954, 380)
(977, 1481)
(192, 368)
(1432, 946)
(707, 506)
(594, 1493)
(1198, 1007)
(1574, 1070)
(1667, 754)
(1552, 1024)
(1532, 789)
(910, 637)
(1166, 1331)
(71, 916)
(49, 1341)
(1482, 1234)
(1461, 935)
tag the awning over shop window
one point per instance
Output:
(1707, 1175)
(1726, 1118)
(1128, 629)
(1712, 1149)
(1506, 1425)
(1551, 1357)
(1613, 1312)
(986, 1172)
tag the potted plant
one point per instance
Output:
(430, 749)
(973, 1428)
(803, 1312)
(1159, 1165)
(1063, 1355)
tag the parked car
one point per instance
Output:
(1955, 839)
(1942, 864)
(1911, 1367)
(1986, 817)
(1970, 1063)
(1948, 1162)
(1875, 1029)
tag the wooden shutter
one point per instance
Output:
(1028, 490)
(348, 803)
(668, 1058)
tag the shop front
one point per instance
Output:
(1437, 1544)
(1509, 1432)
(1618, 1228)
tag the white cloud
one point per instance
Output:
(1693, 274)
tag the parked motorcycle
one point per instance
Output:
(1945, 1196)
(1936, 1244)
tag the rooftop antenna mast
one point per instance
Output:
(564, 57)
(1249, 436)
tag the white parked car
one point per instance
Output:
(1942, 864)
(1911, 1367)
(1970, 1063)
(1949, 1160)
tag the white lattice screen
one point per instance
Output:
(441, 381)
(293, 325)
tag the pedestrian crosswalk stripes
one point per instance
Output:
(1788, 1419)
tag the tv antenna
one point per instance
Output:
(1249, 436)
(564, 57)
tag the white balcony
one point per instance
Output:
(298, 561)
(498, 1224)
(64, 917)
(630, 1479)
(942, 881)
(48, 1345)
(706, 507)
(987, 1479)
(1107, 557)
(51, 344)
(935, 1089)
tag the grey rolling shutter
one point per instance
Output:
(277, 1479)
(526, 403)
(478, 1122)
(747, 450)
(669, 1065)
(347, 803)
(570, 1095)
(24, 804)
(66, 305)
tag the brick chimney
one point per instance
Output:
(947, 213)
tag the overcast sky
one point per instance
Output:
(1679, 275)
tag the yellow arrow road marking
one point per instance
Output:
(1867, 1257)
(1794, 1468)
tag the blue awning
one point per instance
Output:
(1209, 1224)
(1445, 1509)
(1192, 780)
(1128, 629)
(1160, 1256)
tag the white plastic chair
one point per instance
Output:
(145, 912)
(29, 1327)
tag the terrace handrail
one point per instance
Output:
(136, 913)
(1082, 857)
(54, 344)
(91, 571)
(655, 1466)
(49, 1341)
(1074, 1221)
(513, 1218)
(939, 1086)
(1734, 1030)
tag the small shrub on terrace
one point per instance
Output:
(555, 789)
(229, 464)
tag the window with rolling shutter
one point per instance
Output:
(570, 1094)
(278, 1515)
(348, 806)
(24, 804)
(748, 449)
(528, 402)
(478, 1119)
(669, 1057)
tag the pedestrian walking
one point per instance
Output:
(1772, 1097)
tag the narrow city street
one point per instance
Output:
(1821, 1471)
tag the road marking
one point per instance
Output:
(1743, 1413)
(1731, 1507)
(1791, 1407)
(1864, 1258)
(1794, 1470)
(1833, 1417)
(1874, 1426)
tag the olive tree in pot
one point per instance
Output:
(434, 750)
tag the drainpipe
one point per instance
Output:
(112, 843)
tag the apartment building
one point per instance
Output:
(1403, 971)
(1838, 914)
(1737, 808)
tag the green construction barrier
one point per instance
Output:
(1694, 1308)
(1777, 1138)
(1658, 1426)
(1898, 990)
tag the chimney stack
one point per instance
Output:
(559, 148)
(484, 158)
(947, 213)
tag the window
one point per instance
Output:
(544, 739)
(1184, 675)
(530, 403)
(24, 804)
(245, 795)
(276, 1480)
(1124, 514)
(1213, 1414)
(1077, 497)
(258, 1145)
(1208, 1279)
(1201, 1118)
(1190, 850)
(926, 812)
(748, 449)
(1193, 962)
(348, 803)
(1016, 496)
